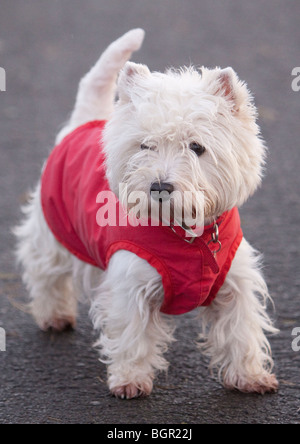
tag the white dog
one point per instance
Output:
(184, 131)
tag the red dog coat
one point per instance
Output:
(72, 179)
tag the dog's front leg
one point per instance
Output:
(236, 322)
(134, 334)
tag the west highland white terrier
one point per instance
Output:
(167, 135)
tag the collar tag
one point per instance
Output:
(215, 240)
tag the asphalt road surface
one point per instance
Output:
(45, 47)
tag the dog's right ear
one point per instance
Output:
(129, 79)
(225, 83)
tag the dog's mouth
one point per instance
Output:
(164, 213)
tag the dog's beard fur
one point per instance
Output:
(184, 206)
(164, 212)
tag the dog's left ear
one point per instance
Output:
(130, 78)
(225, 83)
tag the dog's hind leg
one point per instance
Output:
(96, 94)
(47, 270)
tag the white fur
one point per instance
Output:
(166, 112)
(233, 327)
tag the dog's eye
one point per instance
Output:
(197, 148)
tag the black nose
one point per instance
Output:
(162, 187)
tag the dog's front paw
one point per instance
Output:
(127, 381)
(58, 324)
(266, 383)
(131, 390)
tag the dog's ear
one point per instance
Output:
(129, 78)
(225, 83)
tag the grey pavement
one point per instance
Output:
(45, 47)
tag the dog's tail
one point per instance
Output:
(96, 92)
